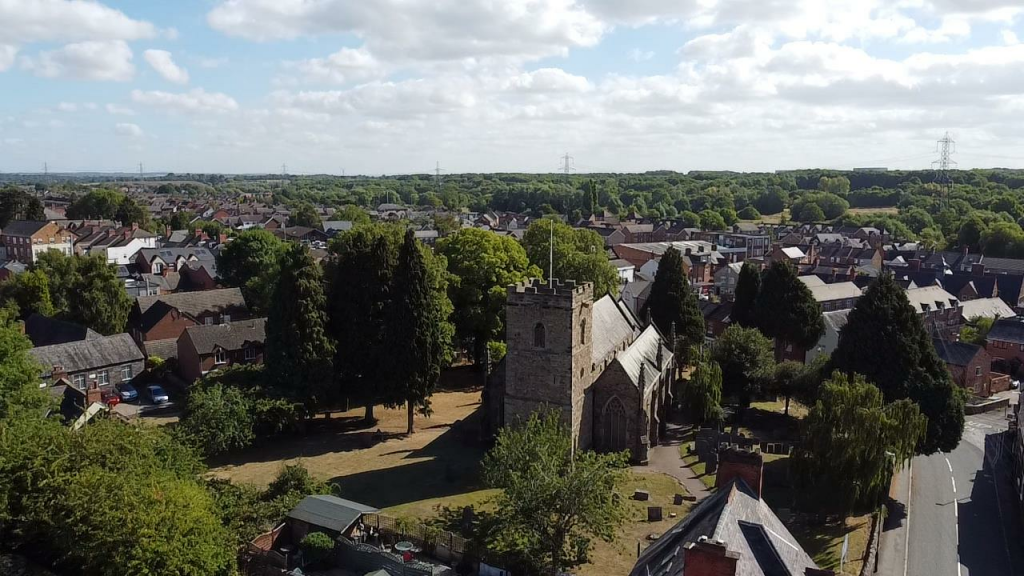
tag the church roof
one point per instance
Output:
(613, 325)
(644, 350)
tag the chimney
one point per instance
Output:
(709, 558)
(966, 250)
(167, 230)
(734, 463)
(93, 394)
(688, 252)
(714, 247)
(977, 269)
(199, 232)
(914, 264)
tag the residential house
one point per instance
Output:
(9, 268)
(726, 279)
(613, 236)
(993, 308)
(716, 317)
(832, 297)
(638, 233)
(388, 211)
(733, 532)
(834, 323)
(1005, 340)
(625, 268)
(90, 364)
(202, 348)
(334, 227)
(25, 240)
(791, 254)
(971, 367)
(163, 260)
(117, 245)
(634, 294)
(938, 309)
(700, 259)
(46, 331)
(168, 315)
(754, 243)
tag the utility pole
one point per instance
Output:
(284, 170)
(568, 165)
(437, 177)
(140, 171)
(946, 147)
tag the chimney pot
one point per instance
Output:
(709, 558)
(734, 463)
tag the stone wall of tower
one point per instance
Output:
(557, 373)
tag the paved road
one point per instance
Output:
(666, 458)
(961, 519)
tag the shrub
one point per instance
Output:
(316, 547)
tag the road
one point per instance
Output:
(955, 514)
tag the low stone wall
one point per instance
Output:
(989, 406)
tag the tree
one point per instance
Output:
(418, 329)
(19, 377)
(181, 220)
(316, 547)
(810, 213)
(579, 254)
(85, 290)
(975, 331)
(786, 309)
(553, 500)
(702, 394)
(749, 213)
(748, 286)
(885, 341)
(306, 214)
(773, 201)
(971, 231)
(129, 212)
(299, 350)
(30, 291)
(745, 357)
(839, 185)
(482, 265)
(217, 419)
(786, 380)
(711, 220)
(445, 224)
(351, 213)
(689, 219)
(101, 203)
(672, 303)
(250, 262)
(852, 441)
(16, 204)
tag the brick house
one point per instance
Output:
(716, 317)
(1005, 341)
(204, 348)
(971, 367)
(25, 240)
(164, 260)
(94, 363)
(938, 309)
(168, 315)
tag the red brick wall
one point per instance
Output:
(1004, 350)
(170, 326)
(740, 464)
(708, 559)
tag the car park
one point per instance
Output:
(156, 394)
(127, 392)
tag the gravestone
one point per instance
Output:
(654, 513)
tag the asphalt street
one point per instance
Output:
(955, 515)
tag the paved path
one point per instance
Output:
(665, 458)
(956, 515)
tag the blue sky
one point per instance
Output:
(394, 86)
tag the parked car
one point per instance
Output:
(156, 394)
(127, 392)
(111, 398)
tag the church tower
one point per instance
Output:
(548, 330)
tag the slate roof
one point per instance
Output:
(46, 331)
(172, 254)
(89, 354)
(233, 336)
(719, 311)
(195, 303)
(330, 512)
(931, 298)
(836, 291)
(986, 308)
(955, 353)
(793, 252)
(1007, 330)
(836, 320)
(621, 264)
(337, 226)
(23, 227)
(613, 325)
(644, 352)
(165, 349)
(746, 525)
(1007, 264)
(1010, 286)
(985, 286)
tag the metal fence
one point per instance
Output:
(423, 536)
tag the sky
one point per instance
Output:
(402, 86)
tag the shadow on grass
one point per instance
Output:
(820, 540)
(451, 466)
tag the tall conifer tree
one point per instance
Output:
(786, 309)
(747, 288)
(672, 301)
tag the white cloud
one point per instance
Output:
(345, 65)
(119, 110)
(398, 30)
(638, 55)
(7, 54)
(1009, 37)
(163, 63)
(128, 129)
(91, 60)
(26, 21)
(196, 100)
(549, 80)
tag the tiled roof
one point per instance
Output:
(23, 227)
(1007, 330)
(195, 303)
(644, 352)
(955, 353)
(232, 336)
(46, 331)
(985, 308)
(931, 298)
(613, 325)
(89, 354)
(330, 512)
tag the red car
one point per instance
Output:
(111, 399)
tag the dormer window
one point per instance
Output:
(220, 357)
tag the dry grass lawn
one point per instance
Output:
(439, 461)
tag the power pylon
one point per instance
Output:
(946, 147)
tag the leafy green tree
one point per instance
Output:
(971, 230)
(852, 442)
(748, 286)
(351, 213)
(445, 224)
(786, 309)
(711, 220)
(101, 203)
(85, 290)
(482, 265)
(217, 419)
(885, 341)
(810, 213)
(251, 262)
(838, 185)
(673, 303)
(130, 212)
(19, 375)
(702, 394)
(306, 214)
(745, 357)
(316, 547)
(689, 219)
(418, 328)
(16, 204)
(749, 213)
(30, 291)
(786, 380)
(772, 201)
(976, 330)
(181, 220)
(579, 254)
(299, 349)
(553, 501)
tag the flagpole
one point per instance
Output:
(551, 253)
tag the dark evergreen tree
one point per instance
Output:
(786, 309)
(745, 356)
(672, 301)
(419, 333)
(885, 340)
(299, 350)
(748, 286)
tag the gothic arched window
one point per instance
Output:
(539, 336)
(583, 332)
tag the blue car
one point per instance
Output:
(156, 394)
(127, 392)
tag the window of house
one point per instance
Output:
(225, 318)
(104, 378)
(78, 380)
(250, 353)
(977, 370)
(208, 320)
(126, 373)
(539, 336)
(220, 357)
(158, 267)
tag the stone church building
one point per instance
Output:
(608, 373)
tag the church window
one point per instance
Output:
(539, 336)
(583, 332)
